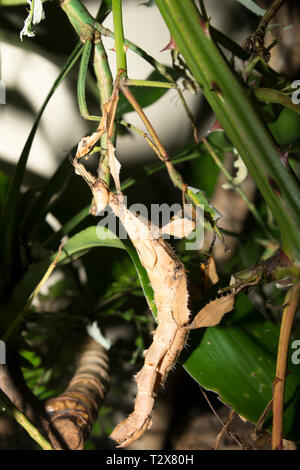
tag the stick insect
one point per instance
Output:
(169, 282)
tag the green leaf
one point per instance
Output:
(79, 244)
(237, 360)
(252, 7)
(144, 95)
(8, 221)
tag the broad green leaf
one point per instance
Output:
(237, 360)
(79, 244)
(88, 238)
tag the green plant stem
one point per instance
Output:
(148, 83)
(238, 117)
(103, 72)
(291, 303)
(119, 36)
(25, 423)
(267, 95)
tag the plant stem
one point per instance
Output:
(25, 423)
(291, 303)
(166, 71)
(149, 83)
(267, 95)
(238, 117)
(85, 26)
(250, 205)
(119, 36)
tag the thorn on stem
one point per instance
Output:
(171, 45)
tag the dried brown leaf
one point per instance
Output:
(213, 312)
(114, 166)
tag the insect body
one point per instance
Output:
(168, 280)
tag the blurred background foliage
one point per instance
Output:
(103, 284)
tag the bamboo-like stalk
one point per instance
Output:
(238, 116)
(119, 36)
(291, 303)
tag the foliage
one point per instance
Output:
(101, 277)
